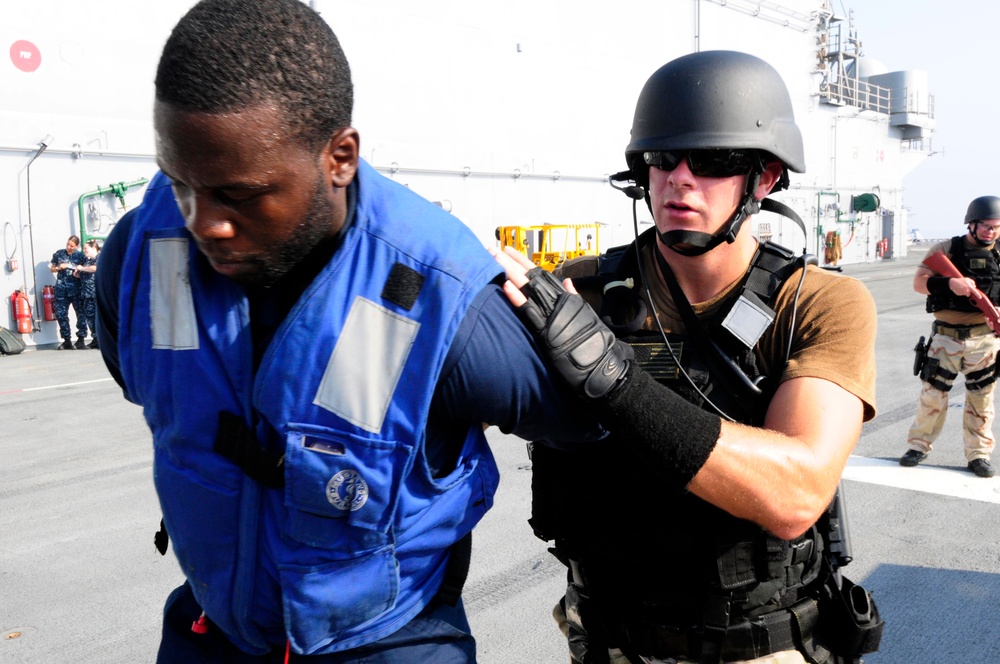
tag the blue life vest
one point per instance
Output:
(356, 542)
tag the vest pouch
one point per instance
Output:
(341, 489)
(202, 517)
(323, 601)
(850, 624)
(341, 492)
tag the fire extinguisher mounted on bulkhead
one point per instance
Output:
(22, 311)
(49, 300)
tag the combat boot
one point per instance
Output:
(912, 458)
(81, 344)
(981, 467)
(66, 345)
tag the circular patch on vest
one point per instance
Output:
(347, 490)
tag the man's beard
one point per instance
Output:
(279, 260)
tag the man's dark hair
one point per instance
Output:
(230, 55)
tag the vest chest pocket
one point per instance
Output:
(341, 489)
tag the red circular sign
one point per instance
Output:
(25, 55)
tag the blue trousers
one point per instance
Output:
(60, 307)
(440, 634)
(88, 307)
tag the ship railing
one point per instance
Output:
(855, 92)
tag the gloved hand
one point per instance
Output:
(582, 349)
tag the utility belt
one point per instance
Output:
(690, 631)
(930, 371)
(780, 630)
(961, 332)
(849, 626)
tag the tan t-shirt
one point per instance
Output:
(834, 333)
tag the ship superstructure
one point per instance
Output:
(505, 113)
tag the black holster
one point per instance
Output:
(919, 356)
(587, 645)
(929, 372)
(850, 624)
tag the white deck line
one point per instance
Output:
(956, 482)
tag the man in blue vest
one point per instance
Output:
(315, 349)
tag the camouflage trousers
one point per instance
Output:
(89, 307)
(60, 307)
(966, 357)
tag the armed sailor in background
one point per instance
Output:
(734, 379)
(961, 340)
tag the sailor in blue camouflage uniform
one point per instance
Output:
(88, 295)
(63, 265)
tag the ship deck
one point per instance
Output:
(81, 582)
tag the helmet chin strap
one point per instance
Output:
(696, 243)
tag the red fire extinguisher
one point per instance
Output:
(49, 300)
(22, 311)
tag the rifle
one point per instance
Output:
(939, 263)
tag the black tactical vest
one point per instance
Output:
(979, 263)
(646, 547)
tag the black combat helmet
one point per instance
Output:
(716, 100)
(984, 207)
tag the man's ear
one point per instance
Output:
(769, 178)
(341, 156)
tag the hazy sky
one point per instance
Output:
(955, 43)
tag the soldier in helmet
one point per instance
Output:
(735, 386)
(961, 341)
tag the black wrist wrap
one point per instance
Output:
(674, 435)
(938, 285)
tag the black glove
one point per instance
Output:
(582, 349)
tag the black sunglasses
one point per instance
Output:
(704, 163)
